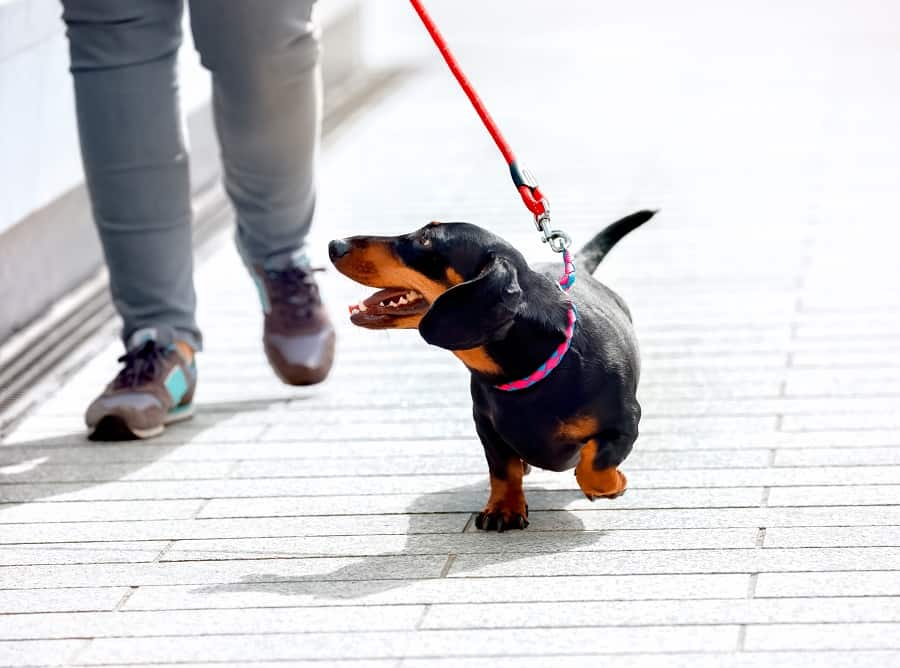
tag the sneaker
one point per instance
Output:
(154, 388)
(298, 336)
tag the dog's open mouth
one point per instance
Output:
(378, 310)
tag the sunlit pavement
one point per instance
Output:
(762, 523)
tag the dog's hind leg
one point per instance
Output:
(506, 507)
(596, 471)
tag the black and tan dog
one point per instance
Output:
(470, 292)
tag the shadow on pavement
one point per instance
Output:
(63, 465)
(367, 576)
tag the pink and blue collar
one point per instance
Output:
(566, 281)
(547, 367)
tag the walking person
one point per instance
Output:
(264, 60)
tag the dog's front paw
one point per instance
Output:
(503, 515)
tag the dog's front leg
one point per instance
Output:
(506, 507)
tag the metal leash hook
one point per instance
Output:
(558, 240)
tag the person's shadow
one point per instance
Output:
(63, 466)
(549, 532)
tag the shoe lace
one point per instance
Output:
(294, 290)
(141, 365)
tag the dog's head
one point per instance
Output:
(457, 283)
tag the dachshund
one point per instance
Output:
(470, 292)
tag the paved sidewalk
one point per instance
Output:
(762, 525)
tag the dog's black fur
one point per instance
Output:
(483, 296)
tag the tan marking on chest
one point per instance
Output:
(579, 428)
(478, 360)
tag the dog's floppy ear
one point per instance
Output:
(472, 313)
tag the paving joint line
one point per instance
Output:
(78, 651)
(198, 510)
(122, 601)
(168, 546)
(447, 565)
(421, 620)
(230, 472)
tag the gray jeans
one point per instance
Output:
(263, 56)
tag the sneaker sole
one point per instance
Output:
(114, 428)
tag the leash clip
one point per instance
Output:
(558, 240)
(536, 202)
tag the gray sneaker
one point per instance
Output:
(154, 388)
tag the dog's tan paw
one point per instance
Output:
(607, 483)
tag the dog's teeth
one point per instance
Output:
(362, 307)
(381, 303)
(354, 311)
(403, 300)
(392, 303)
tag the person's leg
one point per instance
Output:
(267, 103)
(123, 62)
(123, 65)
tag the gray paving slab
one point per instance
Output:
(859, 495)
(48, 511)
(466, 499)
(38, 652)
(843, 583)
(687, 479)
(342, 525)
(312, 663)
(682, 561)
(695, 518)
(638, 613)
(400, 644)
(458, 544)
(61, 600)
(834, 537)
(784, 659)
(860, 635)
(80, 553)
(202, 573)
(443, 590)
(130, 624)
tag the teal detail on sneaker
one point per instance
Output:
(180, 410)
(263, 297)
(176, 385)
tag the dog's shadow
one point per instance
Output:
(427, 554)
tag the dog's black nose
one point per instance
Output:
(338, 248)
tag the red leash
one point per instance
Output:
(524, 182)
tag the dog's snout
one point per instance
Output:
(338, 249)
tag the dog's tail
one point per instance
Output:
(589, 257)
